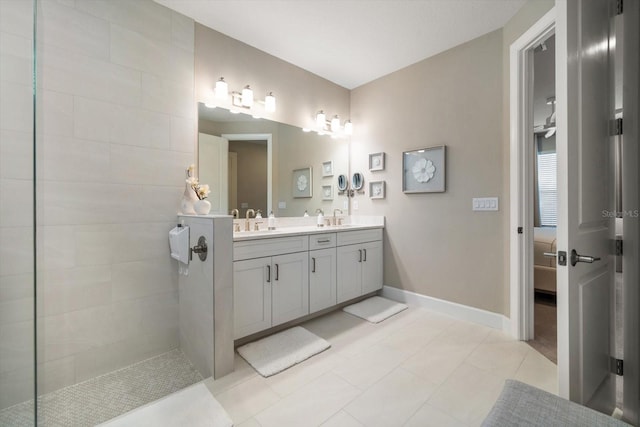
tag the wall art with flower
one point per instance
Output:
(423, 170)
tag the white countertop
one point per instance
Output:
(297, 231)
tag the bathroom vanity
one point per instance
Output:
(283, 275)
(243, 283)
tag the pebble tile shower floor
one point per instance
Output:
(107, 396)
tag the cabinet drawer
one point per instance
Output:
(269, 247)
(359, 236)
(321, 241)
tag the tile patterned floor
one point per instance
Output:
(417, 368)
(107, 396)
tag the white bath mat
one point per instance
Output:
(375, 309)
(280, 351)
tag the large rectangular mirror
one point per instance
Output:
(252, 163)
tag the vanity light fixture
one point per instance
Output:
(333, 127)
(244, 99)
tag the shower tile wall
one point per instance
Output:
(16, 193)
(116, 132)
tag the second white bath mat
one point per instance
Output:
(281, 351)
(375, 309)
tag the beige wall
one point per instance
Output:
(299, 93)
(435, 245)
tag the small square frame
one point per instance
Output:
(377, 189)
(327, 168)
(423, 170)
(376, 162)
(327, 192)
(302, 183)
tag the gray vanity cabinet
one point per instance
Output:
(270, 283)
(251, 296)
(359, 264)
(322, 271)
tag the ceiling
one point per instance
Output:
(350, 42)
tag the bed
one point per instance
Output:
(544, 268)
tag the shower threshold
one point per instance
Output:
(105, 397)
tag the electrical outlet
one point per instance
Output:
(282, 205)
(345, 205)
(355, 205)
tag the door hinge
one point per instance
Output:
(618, 247)
(520, 230)
(619, 7)
(617, 366)
(616, 127)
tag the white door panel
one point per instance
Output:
(585, 192)
(213, 165)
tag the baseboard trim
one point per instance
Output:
(459, 311)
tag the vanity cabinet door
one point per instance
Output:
(322, 279)
(349, 272)
(371, 267)
(289, 287)
(251, 296)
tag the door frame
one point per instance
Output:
(521, 173)
(259, 137)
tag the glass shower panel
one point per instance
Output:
(17, 248)
(116, 116)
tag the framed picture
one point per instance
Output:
(327, 168)
(376, 189)
(327, 192)
(423, 170)
(376, 162)
(302, 183)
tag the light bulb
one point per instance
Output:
(247, 96)
(222, 89)
(270, 103)
(335, 124)
(348, 127)
(321, 119)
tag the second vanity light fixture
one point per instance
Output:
(332, 127)
(243, 99)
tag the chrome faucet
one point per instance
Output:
(235, 213)
(246, 223)
(335, 222)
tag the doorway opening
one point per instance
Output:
(545, 197)
(533, 186)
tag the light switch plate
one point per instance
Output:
(485, 204)
(345, 205)
(355, 205)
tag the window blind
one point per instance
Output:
(547, 189)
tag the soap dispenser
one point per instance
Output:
(320, 217)
(271, 222)
(258, 214)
